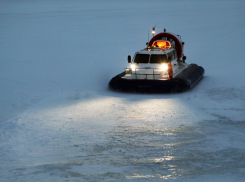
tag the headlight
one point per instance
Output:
(164, 67)
(132, 67)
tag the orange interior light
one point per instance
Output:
(162, 44)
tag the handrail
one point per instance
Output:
(146, 74)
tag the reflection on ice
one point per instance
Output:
(135, 175)
(157, 160)
(151, 153)
(124, 141)
(130, 148)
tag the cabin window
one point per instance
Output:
(162, 44)
(141, 58)
(158, 58)
(172, 55)
(169, 59)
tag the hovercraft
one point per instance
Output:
(159, 68)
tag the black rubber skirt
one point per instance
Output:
(184, 81)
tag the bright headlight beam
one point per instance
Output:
(132, 67)
(164, 67)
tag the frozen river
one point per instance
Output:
(59, 121)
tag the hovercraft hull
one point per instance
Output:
(184, 81)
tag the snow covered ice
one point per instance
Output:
(59, 121)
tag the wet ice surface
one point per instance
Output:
(59, 122)
(136, 140)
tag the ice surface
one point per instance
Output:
(59, 121)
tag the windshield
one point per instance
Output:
(158, 58)
(141, 58)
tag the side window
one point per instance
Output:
(169, 57)
(174, 55)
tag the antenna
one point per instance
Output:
(147, 43)
(148, 36)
